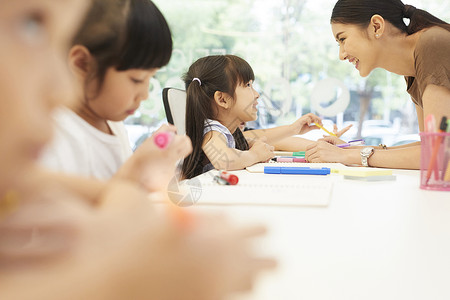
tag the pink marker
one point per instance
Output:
(289, 159)
(162, 139)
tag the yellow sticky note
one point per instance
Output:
(365, 173)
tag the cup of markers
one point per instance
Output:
(435, 158)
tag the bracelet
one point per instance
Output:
(383, 146)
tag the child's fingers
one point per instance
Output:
(335, 129)
(252, 231)
(166, 128)
(344, 130)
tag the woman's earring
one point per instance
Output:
(377, 35)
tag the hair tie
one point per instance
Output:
(409, 11)
(196, 79)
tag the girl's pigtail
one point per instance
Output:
(195, 119)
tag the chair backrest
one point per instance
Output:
(175, 107)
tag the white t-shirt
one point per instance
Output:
(79, 148)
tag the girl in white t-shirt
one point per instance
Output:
(53, 243)
(112, 75)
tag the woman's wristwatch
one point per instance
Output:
(366, 152)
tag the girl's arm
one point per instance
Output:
(86, 188)
(224, 158)
(273, 135)
(292, 144)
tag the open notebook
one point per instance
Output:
(262, 189)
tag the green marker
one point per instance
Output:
(299, 153)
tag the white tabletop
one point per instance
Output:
(374, 240)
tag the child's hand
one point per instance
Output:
(148, 254)
(262, 150)
(341, 132)
(302, 125)
(154, 167)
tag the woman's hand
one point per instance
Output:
(323, 152)
(332, 140)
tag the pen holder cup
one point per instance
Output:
(435, 161)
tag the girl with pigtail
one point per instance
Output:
(220, 96)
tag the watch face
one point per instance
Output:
(367, 151)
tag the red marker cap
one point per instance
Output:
(230, 178)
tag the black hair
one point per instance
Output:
(148, 40)
(214, 73)
(360, 12)
(125, 34)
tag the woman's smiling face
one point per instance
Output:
(355, 46)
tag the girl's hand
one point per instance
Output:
(154, 167)
(323, 152)
(263, 151)
(341, 132)
(302, 125)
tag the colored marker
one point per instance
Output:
(220, 180)
(357, 142)
(285, 153)
(297, 170)
(352, 143)
(289, 159)
(344, 145)
(228, 177)
(437, 143)
(324, 129)
(162, 139)
(298, 153)
(446, 174)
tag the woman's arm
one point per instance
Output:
(436, 101)
(404, 158)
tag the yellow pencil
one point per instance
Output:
(447, 173)
(324, 129)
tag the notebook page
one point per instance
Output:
(266, 189)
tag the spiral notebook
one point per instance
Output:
(264, 189)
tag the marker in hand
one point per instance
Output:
(324, 129)
(162, 139)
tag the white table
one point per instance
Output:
(375, 240)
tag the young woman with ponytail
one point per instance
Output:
(403, 40)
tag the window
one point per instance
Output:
(290, 46)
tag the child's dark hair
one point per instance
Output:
(360, 12)
(216, 73)
(125, 34)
